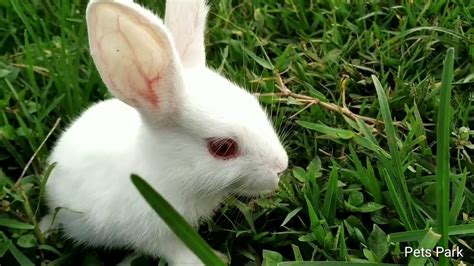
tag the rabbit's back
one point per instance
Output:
(90, 153)
(89, 180)
(107, 126)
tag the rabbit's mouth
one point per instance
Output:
(254, 186)
(256, 193)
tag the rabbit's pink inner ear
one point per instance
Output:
(131, 54)
(186, 21)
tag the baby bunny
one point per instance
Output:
(190, 133)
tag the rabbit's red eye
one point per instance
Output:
(223, 148)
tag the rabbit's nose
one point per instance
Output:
(281, 165)
(280, 168)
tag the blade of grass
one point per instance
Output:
(394, 195)
(42, 185)
(333, 132)
(366, 131)
(296, 252)
(10, 223)
(20, 257)
(316, 227)
(329, 205)
(176, 223)
(442, 151)
(399, 178)
(416, 235)
(371, 184)
(458, 199)
(374, 182)
(428, 242)
(343, 253)
(332, 263)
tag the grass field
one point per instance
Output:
(355, 89)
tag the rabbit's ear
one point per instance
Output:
(186, 20)
(134, 55)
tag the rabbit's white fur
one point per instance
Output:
(168, 104)
(187, 21)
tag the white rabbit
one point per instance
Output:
(192, 134)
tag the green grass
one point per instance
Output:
(380, 148)
(176, 222)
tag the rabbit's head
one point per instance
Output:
(202, 121)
